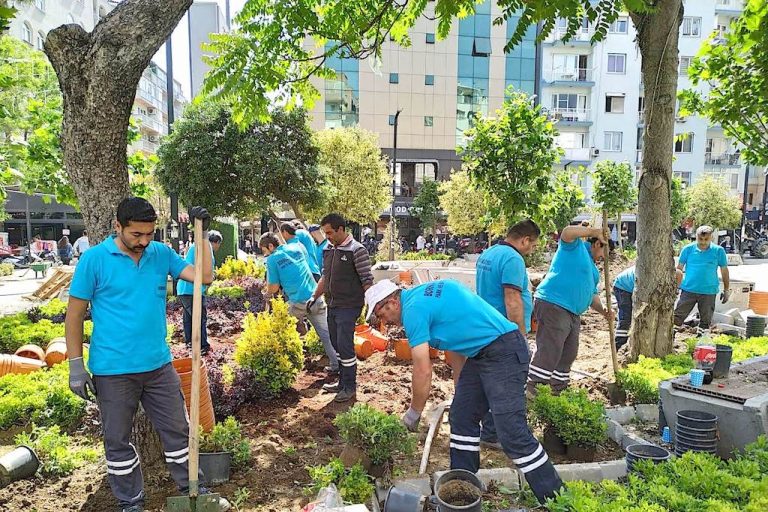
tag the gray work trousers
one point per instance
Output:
(159, 392)
(686, 302)
(318, 318)
(557, 345)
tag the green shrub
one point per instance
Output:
(232, 268)
(17, 330)
(271, 347)
(575, 418)
(312, 344)
(641, 380)
(58, 457)
(6, 269)
(695, 481)
(219, 290)
(424, 255)
(42, 397)
(354, 484)
(54, 307)
(378, 434)
(227, 437)
(742, 348)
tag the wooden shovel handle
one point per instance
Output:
(607, 274)
(194, 406)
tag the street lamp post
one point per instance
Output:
(744, 209)
(169, 102)
(394, 184)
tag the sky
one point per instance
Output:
(180, 46)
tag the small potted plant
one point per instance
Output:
(373, 437)
(220, 449)
(573, 419)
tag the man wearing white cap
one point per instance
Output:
(447, 316)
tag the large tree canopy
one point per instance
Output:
(463, 204)
(709, 203)
(209, 160)
(426, 205)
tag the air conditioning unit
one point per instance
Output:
(595, 152)
(152, 138)
(681, 119)
(151, 111)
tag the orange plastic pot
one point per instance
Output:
(405, 277)
(758, 302)
(184, 369)
(363, 347)
(31, 351)
(56, 353)
(16, 364)
(433, 353)
(402, 349)
(362, 330)
(378, 340)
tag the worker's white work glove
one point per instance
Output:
(80, 380)
(411, 419)
(725, 296)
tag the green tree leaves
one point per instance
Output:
(614, 190)
(709, 203)
(426, 205)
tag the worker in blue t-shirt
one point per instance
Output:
(294, 234)
(700, 261)
(494, 362)
(502, 281)
(565, 293)
(319, 237)
(185, 289)
(124, 279)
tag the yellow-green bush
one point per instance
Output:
(58, 456)
(271, 347)
(6, 269)
(312, 344)
(232, 268)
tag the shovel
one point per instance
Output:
(614, 391)
(195, 502)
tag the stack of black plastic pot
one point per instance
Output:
(696, 431)
(755, 326)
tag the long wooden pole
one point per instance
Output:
(194, 408)
(607, 274)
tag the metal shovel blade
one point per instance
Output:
(202, 503)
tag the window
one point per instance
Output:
(391, 120)
(40, 41)
(614, 104)
(617, 63)
(430, 38)
(613, 141)
(481, 47)
(428, 120)
(40, 4)
(685, 62)
(394, 78)
(26, 33)
(734, 181)
(683, 142)
(429, 79)
(691, 27)
(619, 26)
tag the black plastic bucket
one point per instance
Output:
(652, 452)
(697, 419)
(215, 467)
(398, 500)
(703, 434)
(692, 441)
(684, 447)
(755, 326)
(22, 462)
(723, 361)
(459, 474)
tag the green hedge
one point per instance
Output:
(229, 243)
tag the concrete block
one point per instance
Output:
(420, 485)
(621, 415)
(567, 472)
(613, 469)
(506, 477)
(615, 431)
(589, 471)
(629, 439)
(722, 318)
(647, 412)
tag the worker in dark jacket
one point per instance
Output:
(346, 276)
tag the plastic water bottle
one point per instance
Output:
(666, 435)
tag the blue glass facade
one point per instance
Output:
(342, 94)
(520, 63)
(473, 66)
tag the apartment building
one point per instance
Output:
(36, 18)
(205, 18)
(150, 108)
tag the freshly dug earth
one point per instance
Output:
(459, 493)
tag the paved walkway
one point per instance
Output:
(13, 288)
(755, 270)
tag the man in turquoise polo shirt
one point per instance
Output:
(445, 315)
(124, 279)
(287, 268)
(299, 235)
(502, 281)
(185, 289)
(700, 261)
(565, 293)
(623, 288)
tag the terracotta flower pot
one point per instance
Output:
(363, 347)
(402, 349)
(758, 302)
(363, 330)
(405, 277)
(184, 369)
(31, 351)
(15, 364)
(379, 341)
(56, 353)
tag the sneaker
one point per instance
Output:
(334, 387)
(204, 350)
(491, 445)
(223, 502)
(344, 395)
(331, 371)
(133, 508)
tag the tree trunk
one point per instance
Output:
(98, 74)
(147, 442)
(654, 296)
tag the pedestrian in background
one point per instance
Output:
(321, 243)
(81, 244)
(66, 252)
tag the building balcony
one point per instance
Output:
(580, 38)
(573, 77)
(722, 159)
(147, 146)
(149, 123)
(576, 155)
(571, 116)
(730, 7)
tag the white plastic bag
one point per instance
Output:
(328, 500)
